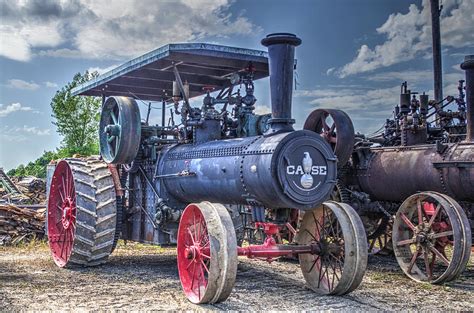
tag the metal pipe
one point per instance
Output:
(468, 66)
(281, 51)
(436, 37)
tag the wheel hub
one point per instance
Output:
(68, 214)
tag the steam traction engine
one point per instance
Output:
(418, 167)
(186, 182)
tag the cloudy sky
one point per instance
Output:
(354, 54)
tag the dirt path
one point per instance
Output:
(141, 277)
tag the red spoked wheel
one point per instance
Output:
(62, 214)
(82, 212)
(207, 252)
(431, 238)
(340, 264)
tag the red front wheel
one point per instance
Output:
(207, 252)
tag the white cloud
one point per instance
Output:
(51, 85)
(117, 29)
(14, 107)
(409, 35)
(21, 84)
(19, 134)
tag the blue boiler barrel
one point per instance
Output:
(287, 170)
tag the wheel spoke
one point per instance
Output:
(432, 219)
(205, 267)
(406, 242)
(311, 234)
(325, 125)
(407, 221)
(413, 260)
(314, 263)
(114, 118)
(439, 255)
(442, 234)
(420, 211)
(427, 265)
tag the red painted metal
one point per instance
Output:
(193, 253)
(270, 250)
(62, 214)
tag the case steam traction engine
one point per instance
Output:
(184, 182)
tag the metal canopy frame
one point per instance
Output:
(150, 77)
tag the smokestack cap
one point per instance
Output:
(468, 63)
(281, 38)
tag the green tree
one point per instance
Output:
(77, 118)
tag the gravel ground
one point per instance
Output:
(139, 277)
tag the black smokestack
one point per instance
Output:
(468, 66)
(436, 37)
(281, 51)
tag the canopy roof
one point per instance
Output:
(150, 76)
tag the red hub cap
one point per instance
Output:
(194, 253)
(62, 214)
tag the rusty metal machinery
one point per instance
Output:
(416, 173)
(190, 181)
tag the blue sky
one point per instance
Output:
(355, 53)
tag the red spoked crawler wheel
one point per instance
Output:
(81, 212)
(62, 214)
(431, 238)
(340, 263)
(207, 252)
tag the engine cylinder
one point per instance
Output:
(394, 173)
(286, 170)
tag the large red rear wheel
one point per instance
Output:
(207, 252)
(62, 214)
(81, 212)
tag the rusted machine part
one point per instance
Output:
(468, 66)
(116, 178)
(431, 238)
(333, 271)
(395, 173)
(340, 134)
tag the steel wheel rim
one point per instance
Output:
(326, 231)
(194, 254)
(427, 238)
(62, 214)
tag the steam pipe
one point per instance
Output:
(436, 37)
(281, 51)
(468, 66)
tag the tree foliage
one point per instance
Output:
(37, 168)
(77, 118)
